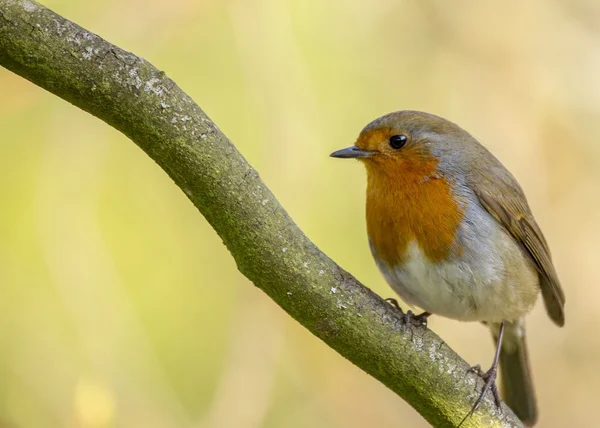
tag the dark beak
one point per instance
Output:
(351, 152)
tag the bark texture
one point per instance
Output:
(139, 100)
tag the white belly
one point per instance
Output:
(483, 284)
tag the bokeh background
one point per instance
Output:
(119, 305)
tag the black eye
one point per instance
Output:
(398, 141)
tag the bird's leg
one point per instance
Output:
(489, 377)
(420, 320)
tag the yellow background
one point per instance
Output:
(120, 307)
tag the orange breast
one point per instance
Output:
(406, 202)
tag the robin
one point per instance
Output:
(451, 231)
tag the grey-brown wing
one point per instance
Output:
(508, 205)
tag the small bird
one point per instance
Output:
(451, 231)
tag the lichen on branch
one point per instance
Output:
(139, 100)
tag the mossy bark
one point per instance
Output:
(139, 100)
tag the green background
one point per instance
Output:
(120, 307)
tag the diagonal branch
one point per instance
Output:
(134, 97)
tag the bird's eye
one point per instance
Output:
(398, 141)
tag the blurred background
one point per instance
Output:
(119, 305)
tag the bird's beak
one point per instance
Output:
(352, 152)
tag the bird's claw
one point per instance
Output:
(408, 317)
(420, 320)
(477, 370)
(489, 379)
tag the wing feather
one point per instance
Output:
(508, 205)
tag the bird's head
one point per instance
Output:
(410, 141)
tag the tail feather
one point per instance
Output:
(516, 380)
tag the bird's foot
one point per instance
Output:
(489, 379)
(408, 317)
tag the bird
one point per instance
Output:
(451, 231)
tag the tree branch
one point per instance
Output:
(134, 97)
